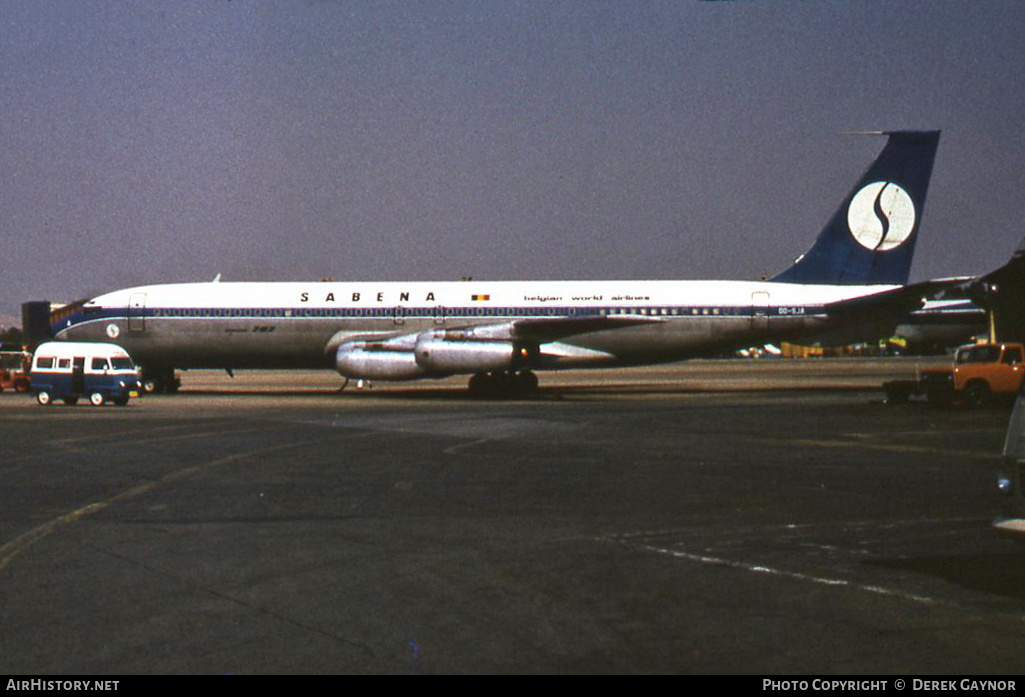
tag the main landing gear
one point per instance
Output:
(503, 384)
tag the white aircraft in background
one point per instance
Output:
(850, 285)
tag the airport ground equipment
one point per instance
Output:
(67, 371)
(14, 371)
(980, 374)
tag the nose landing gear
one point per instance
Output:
(160, 381)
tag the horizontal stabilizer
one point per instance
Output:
(896, 302)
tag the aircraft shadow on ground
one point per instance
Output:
(554, 393)
(998, 573)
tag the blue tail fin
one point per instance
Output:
(871, 237)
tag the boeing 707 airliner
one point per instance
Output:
(849, 285)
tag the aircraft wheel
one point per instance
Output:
(44, 398)
(96, 399)
(503, 384)
(488, 384)
(479, 384)
(527, 381)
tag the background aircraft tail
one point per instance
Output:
(871, 237)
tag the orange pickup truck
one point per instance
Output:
(980, 374)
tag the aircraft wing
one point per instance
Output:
(540, 330)
(543, 330)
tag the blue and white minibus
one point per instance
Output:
(67, 370)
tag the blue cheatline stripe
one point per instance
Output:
(388, 312)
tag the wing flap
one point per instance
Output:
(544, 330)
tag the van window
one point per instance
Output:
(44, 362)
(122, 363)
(99, 364)
(63, 362)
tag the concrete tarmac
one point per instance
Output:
(761, 517)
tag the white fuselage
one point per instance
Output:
(270, 325)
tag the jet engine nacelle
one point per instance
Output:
(437, 355)
(361, 359)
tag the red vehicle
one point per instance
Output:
(14, 371)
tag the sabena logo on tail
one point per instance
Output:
(881, 216)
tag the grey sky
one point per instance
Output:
(158, 141)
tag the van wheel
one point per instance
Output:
(121, 401)
(44, 398)
(96, 399)
(71, 401)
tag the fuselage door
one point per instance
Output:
(137, 312)
(760, 310)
